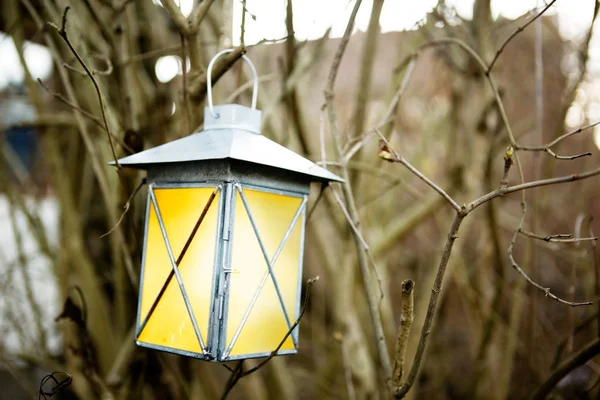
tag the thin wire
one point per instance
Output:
(316, 203)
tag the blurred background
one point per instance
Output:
(494, 336)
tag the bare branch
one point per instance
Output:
(63, 33)
(548, 147)
(125, 208)
(557, 238)
(388, 117)
(184, 86)
(576, 360)
(309, 284)
(175, 12)
(528, 185)
(387, 153)
(62, 98)
(152, 54)
(515, 33)
(337, 58)
(86, 114)
(363, 255)
(573, 157)
(401, 391)
(517, 268)
(359, 235)
(198, 14)
(340, 202)
(406, 319)
(239, 373)
(108, 69)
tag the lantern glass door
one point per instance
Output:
(177, 275)
(266, 257)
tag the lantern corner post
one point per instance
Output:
(138, 320)
(222, 269)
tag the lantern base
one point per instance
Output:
(210, 357)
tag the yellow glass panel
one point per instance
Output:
(266, 325)
(170, 324)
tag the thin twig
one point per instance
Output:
(107, 71)
(515, 33)
(363, 242)
(309, 284)
(63, 33)
(347, 369)
(152, 54)
(365, 73)
(249, 85)
(178, 18)
(387, 153)
(571, 133)
(238, 373)
(388, 117)
(86, 114)
(355, 229)
(243, 24)
(337, 58)
(270, 41)
(372, 299)
(528, 185)
(548, 147)
(184, 85)
(125, 208)
(556, 238)
(64, 100)
(199, 13)
(546, 290)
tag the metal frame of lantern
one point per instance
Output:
(241, 167)
(218, 336)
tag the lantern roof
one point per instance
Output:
(231, 131)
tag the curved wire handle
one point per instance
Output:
(209, 80)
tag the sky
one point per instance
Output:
(313, 17)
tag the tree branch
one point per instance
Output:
(238, 372)
(557, 238)
(63, 33)
(548, 147)
(198, 14)
(528, 185)
(372, 298)
(387, 153)
(435, 294)
(517, 268)
(406, 319)
(222, 65)
(569, 365)
(515, 33)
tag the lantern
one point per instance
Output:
(224, 238)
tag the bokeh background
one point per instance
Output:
(494, 336)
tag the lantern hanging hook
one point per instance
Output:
(209, 80)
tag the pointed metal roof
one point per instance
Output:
(233, 132)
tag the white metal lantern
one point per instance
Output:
(224, 237)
